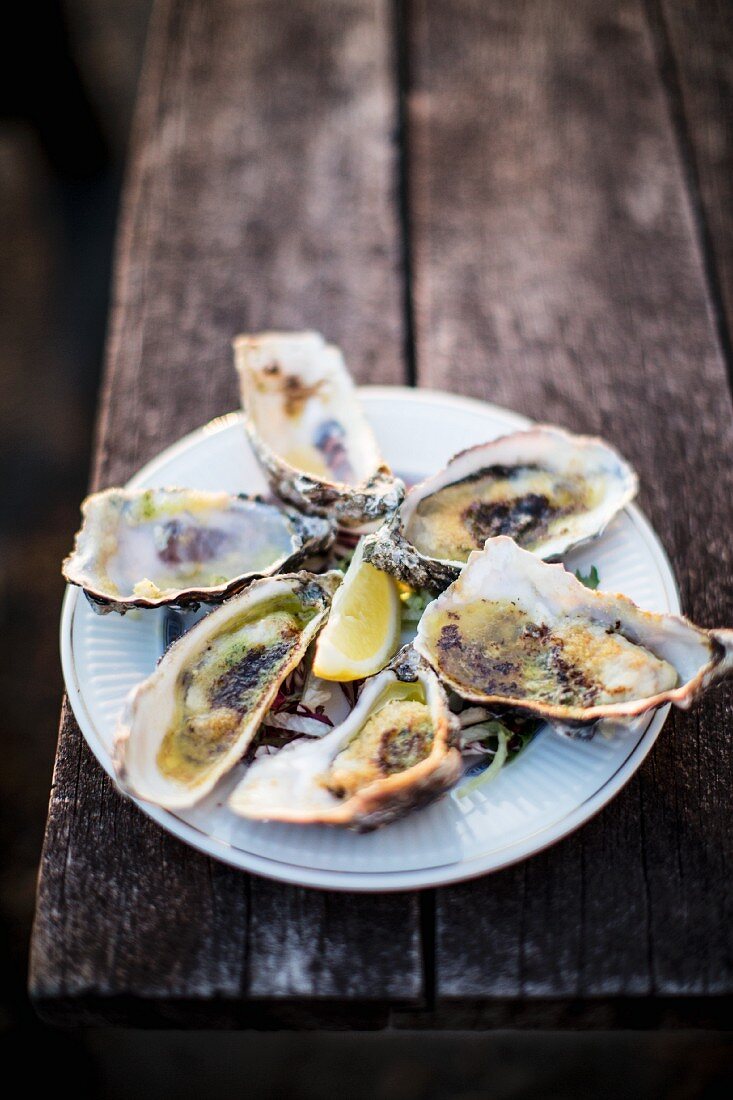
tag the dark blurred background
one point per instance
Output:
(67, 89)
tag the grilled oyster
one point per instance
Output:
(513, 631)
(546, 488)
(308, 431)
(396, 751)
(149, 547)
(192, 719)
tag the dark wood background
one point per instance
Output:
(522, 201)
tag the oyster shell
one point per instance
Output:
(396, 751)
(308, 431)
(546, 488)
(514, 631)
(149, 547)
(193, 718)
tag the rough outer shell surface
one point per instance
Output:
(182, 547)
(606, 483)
(308, 431)
(193, 718)
(290, 786)
(553, 618)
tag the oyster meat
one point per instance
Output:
(514, 631)
(193, 718)
(547, 489)
(308, 431)
(396, 751)
(149, 547)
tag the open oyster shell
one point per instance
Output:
(193, 718)
(308, 431)
(149, 547)
(546, 488)
(396, 751)
(514, 631)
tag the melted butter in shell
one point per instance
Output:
(163, 546)
(525, 502)
(494, 648)
(396, 737)
(217, 694)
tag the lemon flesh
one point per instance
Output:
(363, 628)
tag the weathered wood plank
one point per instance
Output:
(558, 272)
(260, 194)
(696, 47)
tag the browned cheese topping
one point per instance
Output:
(398, 736)
(494, 648)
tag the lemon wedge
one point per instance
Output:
(363, 628)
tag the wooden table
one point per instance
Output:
(523, 201)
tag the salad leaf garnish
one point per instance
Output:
(414, 602)
(495, 744)
(489, 766)
(590, 579)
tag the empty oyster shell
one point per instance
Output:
(396, 751)
(149, 547)
(546, 488)
(516, 632)
(193, 718)
(308, 431)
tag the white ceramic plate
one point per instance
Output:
(549, 790)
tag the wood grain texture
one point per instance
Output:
(696, 44)
(558, 272)
(259, 194)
